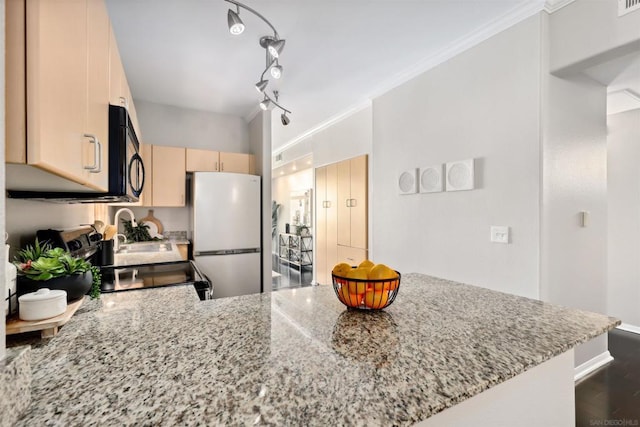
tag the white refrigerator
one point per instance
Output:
(226, 231)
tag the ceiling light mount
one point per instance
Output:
(273, 46)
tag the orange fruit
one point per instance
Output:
(357, 287)
(341, 269)
(376, 299)
(382, 272)
(348, 298)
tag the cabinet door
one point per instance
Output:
(252, 164)
(202, 160)
(332, 218)
(344, 196)
(234, 162)
(98, 27)
(168, 176)
(358, 203)
(15, 70)
(57, 82)
(116, 72)
(321, 226)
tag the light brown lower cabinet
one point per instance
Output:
(352, 256)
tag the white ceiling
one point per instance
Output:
(337, 54)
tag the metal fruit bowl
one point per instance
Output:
(366, 294)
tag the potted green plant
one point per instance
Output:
(41, 266)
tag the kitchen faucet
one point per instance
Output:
(116, 243)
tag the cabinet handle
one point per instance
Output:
(348, 204)
(353, 203)
(221, 166)
(328, 203)
(182, 199)
(97, 154)
(215, 167)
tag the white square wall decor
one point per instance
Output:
(460, 175)
(430, 179)
(407, 182)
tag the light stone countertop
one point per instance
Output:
(292, 357)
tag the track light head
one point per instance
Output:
(261, 85)
(236, 26)
(285, 120)
(275, 47)
(276, 71)
(265, 104)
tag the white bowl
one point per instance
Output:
(42, 304)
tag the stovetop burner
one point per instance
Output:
(80, 242)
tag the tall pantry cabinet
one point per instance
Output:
(341, 215)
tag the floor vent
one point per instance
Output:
(627, 6)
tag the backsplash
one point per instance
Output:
(25, 217)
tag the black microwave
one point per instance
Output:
(126, 169)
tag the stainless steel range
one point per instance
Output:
(85, 242)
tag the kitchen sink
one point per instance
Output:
(142, 247)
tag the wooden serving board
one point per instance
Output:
(49, 327)
(153, 222)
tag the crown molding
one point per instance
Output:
(551, 6)
(323, 125)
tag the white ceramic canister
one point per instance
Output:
(42, 304)
(11, 301)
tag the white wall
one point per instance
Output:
(172, 219)
(484, 104)
(25, 217)
(181, 127)
(574, 259)
(350, 137)
(623, 216)
(589, 32)
(260, 146)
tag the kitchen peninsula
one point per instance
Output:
(299, 357)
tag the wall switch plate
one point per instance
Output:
(499, 234)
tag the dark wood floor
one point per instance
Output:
(611, 395)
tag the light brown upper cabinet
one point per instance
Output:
(218, 161)
(168, 176)
(65, 46)
(119, 91)
(235, 162)
(352, 202)
(202, 160)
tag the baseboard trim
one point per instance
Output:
(629, 328)
(591, 365)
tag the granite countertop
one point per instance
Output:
(292, 357)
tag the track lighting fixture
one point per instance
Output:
(261, 85)
(236, 26)
(266, 103)
(273, 46)
(276, 71)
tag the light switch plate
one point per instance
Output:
(499, 234)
